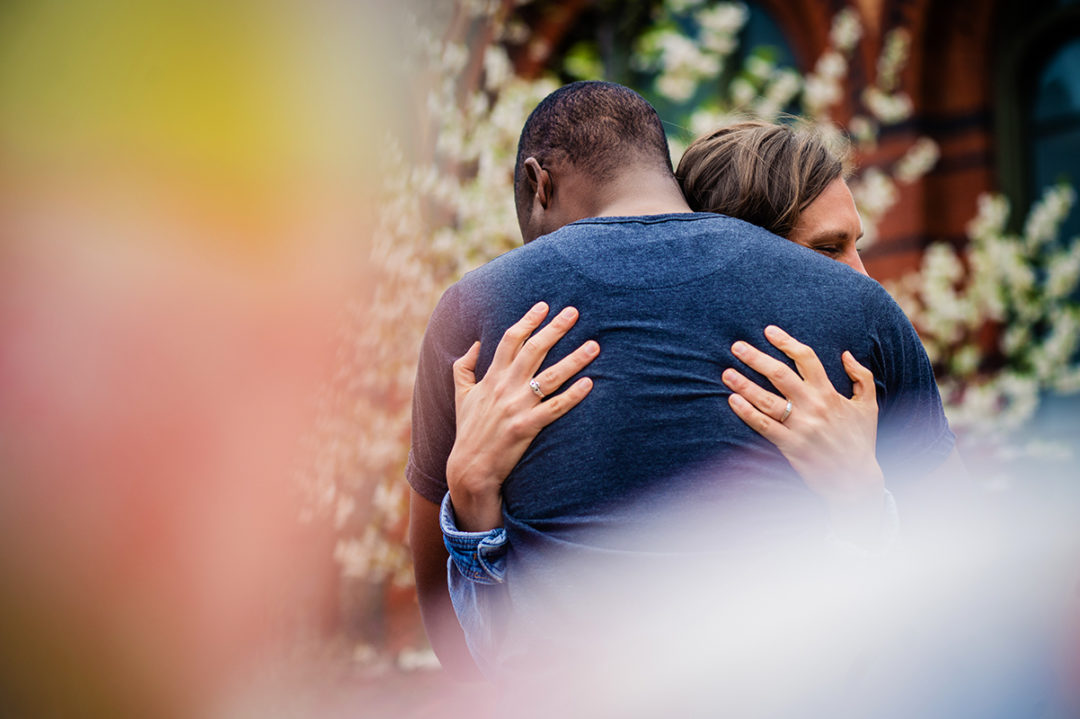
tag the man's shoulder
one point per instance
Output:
(578, 234)
(638, 246)
(511, 260)
(500, 273)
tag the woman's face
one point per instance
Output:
(831, 225)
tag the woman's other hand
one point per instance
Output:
(828, 439)
(499, 416)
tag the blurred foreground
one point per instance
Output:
(975, 613)
(186, 192)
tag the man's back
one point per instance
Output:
(665, 296)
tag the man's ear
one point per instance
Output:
(539, 181)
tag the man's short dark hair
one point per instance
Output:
(596, 126)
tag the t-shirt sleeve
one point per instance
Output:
(433, 425)
(913, 434)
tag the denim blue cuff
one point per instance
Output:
(479, 556)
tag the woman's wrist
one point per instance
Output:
(477, 514)
(477, 498)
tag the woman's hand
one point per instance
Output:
(499, 416)
(828, 438)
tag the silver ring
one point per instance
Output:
(787, 412)
(535, 387)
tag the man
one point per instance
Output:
(665, 292)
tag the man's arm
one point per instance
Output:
(432, 439)
(916, 448)
(429, 562)
(935, 499)
(950, 477)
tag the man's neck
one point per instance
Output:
(641, 193)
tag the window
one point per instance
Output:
(1037, 113)
(1054, 127)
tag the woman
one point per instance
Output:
(786, 179)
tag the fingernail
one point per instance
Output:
(539, 307)
(728, 375)
(737, 400)
(773, 332)
(739, 347)
(592, 347)
(568, 313)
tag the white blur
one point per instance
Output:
(974, 613)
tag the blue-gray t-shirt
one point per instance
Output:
(666, 296)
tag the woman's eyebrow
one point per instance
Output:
(828, 236)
